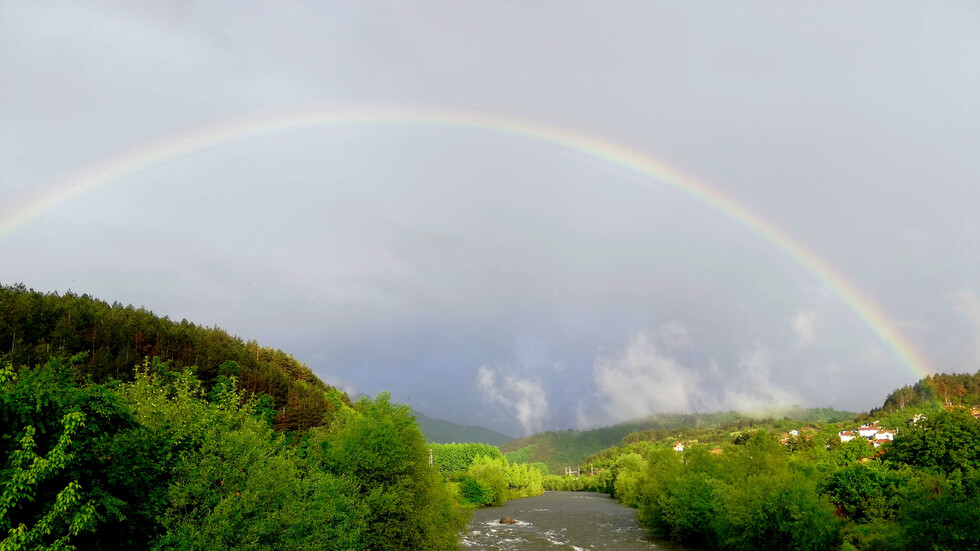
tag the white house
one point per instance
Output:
(885, 435)
(867, 431)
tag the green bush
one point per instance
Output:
(476, 492)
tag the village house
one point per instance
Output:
(868, 431)
(873, 433)
(885, 435)
(679, 447)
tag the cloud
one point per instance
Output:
(525, 397)
(752, 389)
(641, 381)
(805, 327)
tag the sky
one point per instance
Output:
(488, 275)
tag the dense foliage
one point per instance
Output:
(163, 462)
(562, 449)
(456, 458)
(766, 488)
(952, 389)
(484, 477)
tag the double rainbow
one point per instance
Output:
(158, 152)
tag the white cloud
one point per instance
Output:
(753, 388)
(805, 326)
(526, 397)
(641, 381)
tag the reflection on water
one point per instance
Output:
(560, 520)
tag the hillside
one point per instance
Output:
(35, 326)
(953, 389)
(903, 476)
(445, 432)
(570, 448)
(162, 462)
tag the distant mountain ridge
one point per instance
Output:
(437, 431)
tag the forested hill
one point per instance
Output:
(558, 449)
(445, 432)
(115, 338)
(958, 389)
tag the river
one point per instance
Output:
(561, 520)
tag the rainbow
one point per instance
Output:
(155, 153)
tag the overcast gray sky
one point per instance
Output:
(488, 278)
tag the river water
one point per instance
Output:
(561, 520)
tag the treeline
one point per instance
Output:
(35, 326)
(765, 489)
(953, 389)
(164, 462)
(560, 449)
(480, 476)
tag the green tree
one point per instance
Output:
(55, 521)
(381, 450)
(946, 441)
(122, 469)
(690, 507)
(664, 467)
(236, 483)
(456, 458)
(863, 492)
(65, 517)
(777, 510)
(627, 474)
(522, 480)
(943, 513)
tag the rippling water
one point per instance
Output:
(561, 520)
